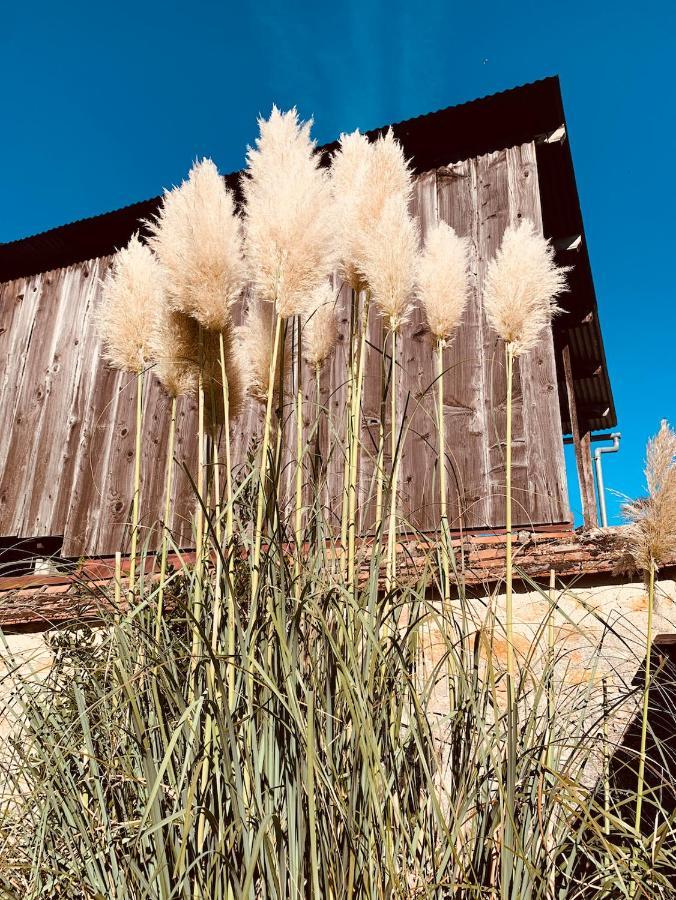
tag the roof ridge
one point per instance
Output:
(323, 149)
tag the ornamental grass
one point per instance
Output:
(279, 716)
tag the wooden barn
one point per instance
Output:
(66, 418)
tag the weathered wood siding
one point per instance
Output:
(66, 419)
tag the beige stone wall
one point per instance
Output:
(27, 654)
(595, 633)
(598, 632)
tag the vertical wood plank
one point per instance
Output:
(582, 443)
(545, 491)
(418, 478)
(464, 379)
(493, 206)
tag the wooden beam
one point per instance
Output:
(582, 442)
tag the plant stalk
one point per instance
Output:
(391, 570)
(298, 517)
(646, 696)
(443, 502)
(168, 484)
(262, 488)
(137, 484)
(354, 449)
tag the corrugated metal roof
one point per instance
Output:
(436, 139)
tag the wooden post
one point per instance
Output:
(582, 442)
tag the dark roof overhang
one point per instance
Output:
(530, 112)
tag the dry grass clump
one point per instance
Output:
(131, 300)
(652, 536)
(288, 221)
(197, 238)
(442, 280)
(320, 329)
(522, 284)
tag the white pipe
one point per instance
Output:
(615, 436)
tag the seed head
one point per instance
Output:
(288, 216)
(363, 177)
(320, 329)
(131, 302)
(175, 349)
(389, 263)
(253, 345)
(522, 284)
(652, 519)
(197, 238)
(442, 280)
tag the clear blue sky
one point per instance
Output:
(104, 104)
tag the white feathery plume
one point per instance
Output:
(389, 262)
(652, 536)
(522, 284)
(197, 238)
(442, 280)
(175, 349)
(131, 302)
(253, 348)
(351, 170)
(320, 329)
(288, 217)
(364, 176)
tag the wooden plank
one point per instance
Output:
(416, 373)
(493, 218)
(464, 383)
(56, 435)
(545, 497)
(582, 442)
(24, 463)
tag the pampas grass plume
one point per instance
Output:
(364, 176)
(131, 303)
(442, 280)
(197, 238)
(652, 519)
(288, 219)
(175, 348)
(320, 330)
(522, 284)
(253, 348)
(389, 262)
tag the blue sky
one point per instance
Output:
(104, 104)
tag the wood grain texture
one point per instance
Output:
(67, 419)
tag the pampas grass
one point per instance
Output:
(197, 238)
(288, 228)
(651, 540)
(520, 291)
(320, 327)
(652, 519)
(522, 284)
(372, 185)
(131, 302)
(390, 269)
(442, 288)
(288, 216)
